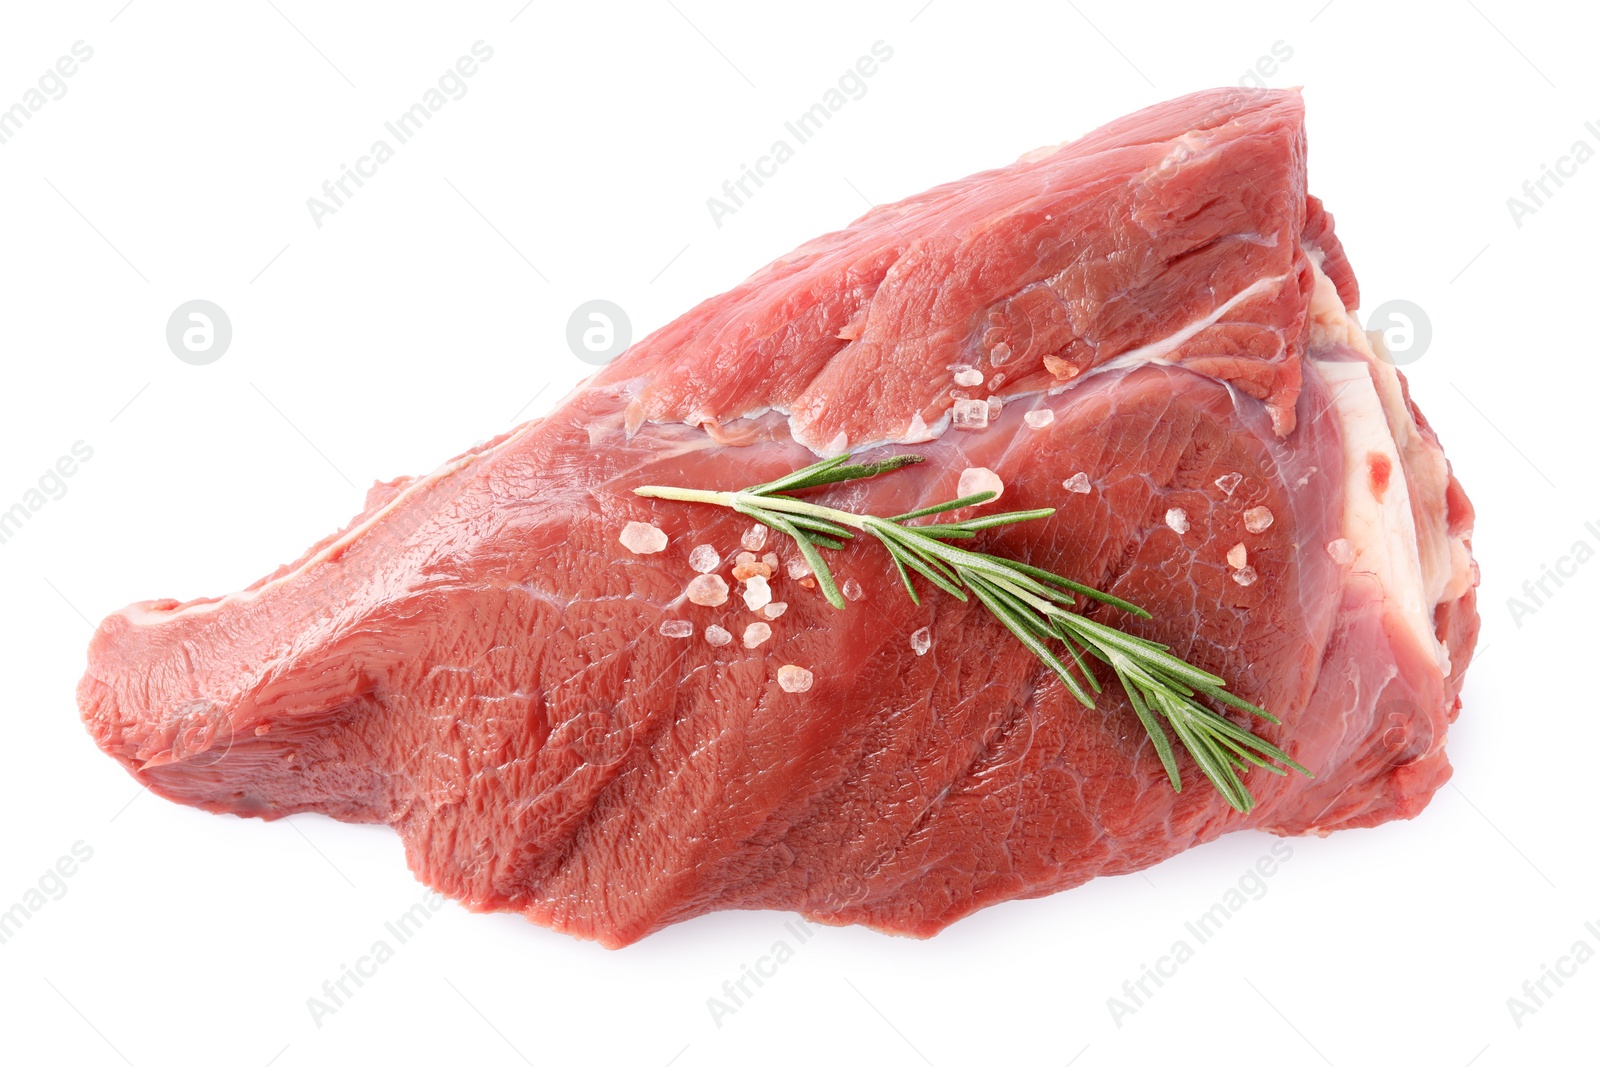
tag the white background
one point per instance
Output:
(429, 313)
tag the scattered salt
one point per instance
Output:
(707, 590)
(995, 403)
(677, 628)
(642, 539)
(1257, 519)
(969, 415)
(1178, 519)
(1245, 575)
(751, 569)
(756, 633)
(1237, 555)
(757, 594)
(704, 559)
(852, 589)
(1229, 482)
(1000, 353)
(921, 641)
(755, 538)
(744, 557)
(771, 560)
(774, 609)
(968, 375)
(1341, 551)
(792, 679)
(716, 635)
(1039, 418)
(980, 480)
(1078, 483)
(797, 568)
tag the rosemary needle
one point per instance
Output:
(1035, 605)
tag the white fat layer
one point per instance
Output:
(1161, 351)
(1403, 538)
(142, 616)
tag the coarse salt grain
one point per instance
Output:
(1078, 483)
(677, 628)
(771, 560)
(745, 571)
(756, 633)
(716, 635)
(969, 376)
(852, 589)
(1000, 353)
(1245, 575)
(797, 568)
(755, 538)
(757, 594)
(995, 404)
(917, 430)
(969, 415)
(774, 609)
(704, 559)
(792, 679)
(642, 539)
(707, 590)
(1178, 519)
(1341, 551)
(921, 641)
(980, 480)
(1229, 482)
(1257, 519)
(1039, 418)
(744, 557)
(1237, 555)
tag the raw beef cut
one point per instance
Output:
(1149, 329)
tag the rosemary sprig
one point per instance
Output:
(1035, 605)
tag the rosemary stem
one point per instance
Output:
(788, 505)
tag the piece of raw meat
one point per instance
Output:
(1148, 329)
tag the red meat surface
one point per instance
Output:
(478, 661)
